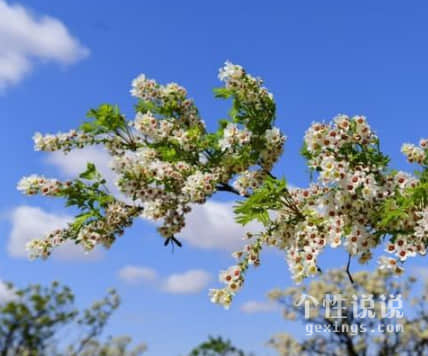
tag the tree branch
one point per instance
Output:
(347, 269)
(224, 187)
(269, 173)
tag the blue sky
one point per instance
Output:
(318, 58)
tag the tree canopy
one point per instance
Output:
(42, 320)
(216, 346)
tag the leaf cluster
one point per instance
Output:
(104, 119)
(267, 197)
(216, 347)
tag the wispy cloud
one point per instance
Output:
(189, 282)
(137, 274)
(27, 39)
(253, 306)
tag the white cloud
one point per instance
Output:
(212, 225)
(26, 38)
(189, 282)
(253, 306)
(74, 162)
(31, 222)
(70, 165)
(137, 274)
(192, 281)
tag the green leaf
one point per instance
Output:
(88, 127)
(264, 199)
(81, 219)
(90, 173)
(223, 93)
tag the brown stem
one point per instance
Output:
(347, 269)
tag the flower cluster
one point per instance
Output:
(35, 184)
(199, 185)
(233, 277)
(145, 89)
(248, 90)
(231, 74)
(248, 181)
(416, 154)
(171, 95)
(421, 228)
(234, 137)
(274, 147)
(165, 130)
(327, 142)
(61, 141)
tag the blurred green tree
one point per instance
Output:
(41, 320)
(217, 347)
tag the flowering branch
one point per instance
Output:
(166, 161)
